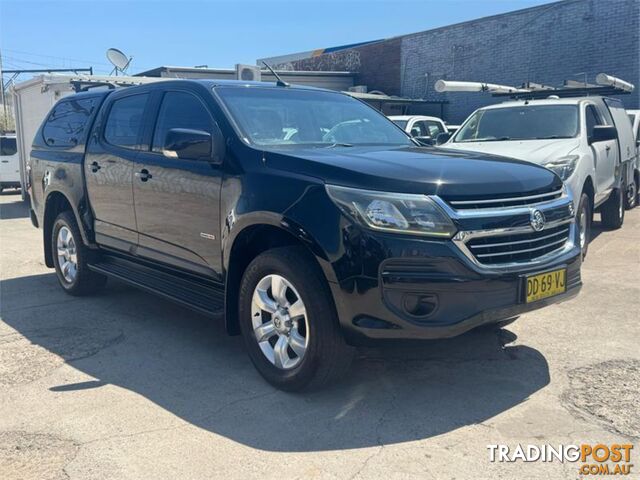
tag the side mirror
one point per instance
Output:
(424, 141)
(191, 144)
(602, 133)
(443, 138)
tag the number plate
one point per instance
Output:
(545, 285)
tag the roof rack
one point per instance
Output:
(606, 85)
(84, 83)
(564, 92)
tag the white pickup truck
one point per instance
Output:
(588, 141)
(423, 128)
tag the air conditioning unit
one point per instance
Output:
(248, 73)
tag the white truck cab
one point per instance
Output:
(588, 141)
(423, 128)
(9, 162)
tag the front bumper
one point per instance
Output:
(427, 289)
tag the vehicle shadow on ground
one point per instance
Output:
(16, 209)
(186, 364)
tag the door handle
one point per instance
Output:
(607, 148)
(95, 167)
(143, 175)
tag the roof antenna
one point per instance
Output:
(280, 82)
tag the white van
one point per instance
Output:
(9, 162)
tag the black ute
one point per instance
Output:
(304, 216)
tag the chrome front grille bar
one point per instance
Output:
(499, 202)
(525, 250)
(517, 242)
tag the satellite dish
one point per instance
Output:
(118, 59)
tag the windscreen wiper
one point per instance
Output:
(552, 137)
(339, 144)
(495, 139)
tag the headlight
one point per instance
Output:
(393, 212)
(563, 166)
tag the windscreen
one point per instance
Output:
(401, 123)
(527, 122)
(292, 117)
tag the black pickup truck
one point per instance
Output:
(304, 217)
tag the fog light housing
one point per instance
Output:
(419, 305)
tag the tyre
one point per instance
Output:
(289, 323)
(612, 211)
(70, 257)
(583, 221)
(631, 197)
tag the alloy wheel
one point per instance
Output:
(582, 223)
(280, 322)
(67, 254)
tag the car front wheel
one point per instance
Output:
(584, 223)
(289, 323)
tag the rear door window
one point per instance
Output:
(431, 128)
(418, 130)
(124, 124)
(8, 146)
(67, 123)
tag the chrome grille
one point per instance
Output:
(518, 247)
(505, 202)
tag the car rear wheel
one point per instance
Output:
(612, 211)
(289, 323)
(70, 257)
(631, 198)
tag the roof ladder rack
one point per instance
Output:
(606, 85)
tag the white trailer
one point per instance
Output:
(34, 98)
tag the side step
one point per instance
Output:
(200, 294)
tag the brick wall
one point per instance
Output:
(545, 44)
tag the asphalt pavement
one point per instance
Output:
(124, 385)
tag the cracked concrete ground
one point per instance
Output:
(124, 385)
